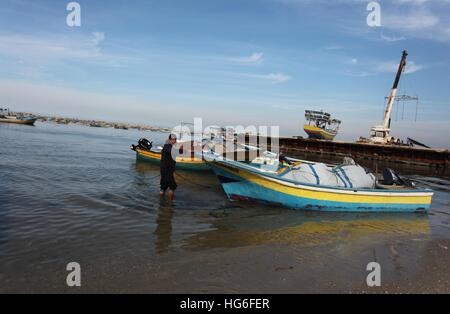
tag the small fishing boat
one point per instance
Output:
(221, 143)
(6, 117)
(17, 120)
(295, 186)
(147, 152)
(320, 125)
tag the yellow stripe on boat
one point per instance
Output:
(178, 158)
(333, 194)
(182, 162)
(317, 132)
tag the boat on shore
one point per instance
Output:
(17, 120)
(269, 181)
(7, 117)
(319, 125)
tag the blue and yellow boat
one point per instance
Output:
(315, 132)
(242, 181)
(18, 120)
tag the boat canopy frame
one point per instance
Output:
(322, 120)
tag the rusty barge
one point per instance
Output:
(407, 160)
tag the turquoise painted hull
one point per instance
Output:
(238, 188)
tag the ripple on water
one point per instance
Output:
(81, 193)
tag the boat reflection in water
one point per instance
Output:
(300, 228)
(203, 218)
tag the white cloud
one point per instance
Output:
(34, 55)
(365, 68)
(51, 47)
(391, 67)
(359, 74)
(271, 77)
(413, 21)
(417, 19)
(254, 58)
(392, 39)
(414, 2)
(333, 47)
(424, 19)
(98, 38)
(71, 102)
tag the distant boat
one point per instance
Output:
(319, 125)
(17, 120)
(6, 117)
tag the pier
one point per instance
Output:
(374, 156)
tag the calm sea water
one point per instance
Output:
(76, 193)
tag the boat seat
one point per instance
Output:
(392, 187)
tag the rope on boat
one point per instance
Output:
(185, 179)
(154, 177)
(194, 183)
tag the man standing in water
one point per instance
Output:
(168, 167)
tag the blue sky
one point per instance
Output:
(230, 62)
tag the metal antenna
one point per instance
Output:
(403, 99)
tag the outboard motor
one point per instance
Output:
(144, 143)
(391, 178)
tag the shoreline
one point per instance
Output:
(93, 123)
(65, 190)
